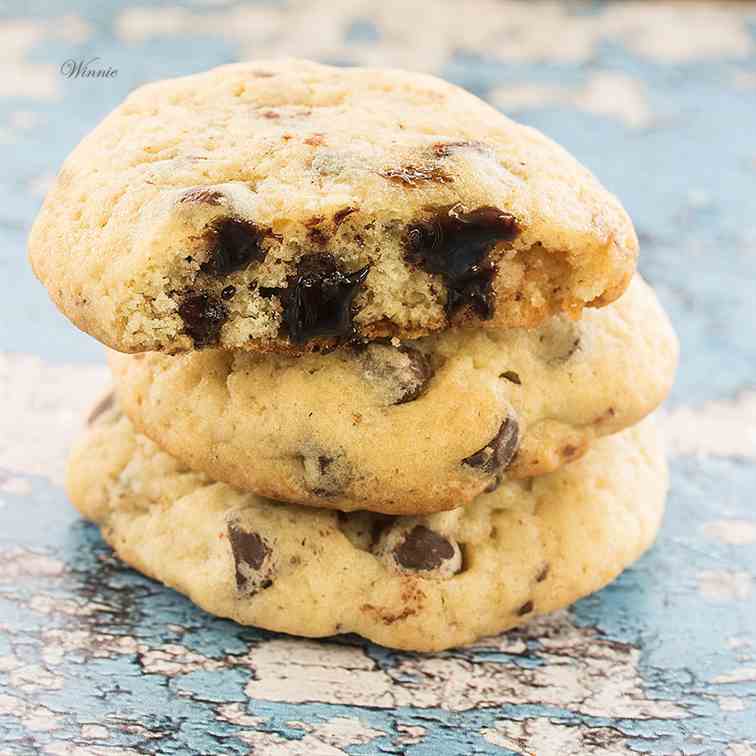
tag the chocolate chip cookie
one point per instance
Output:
(422, 583)
(291, 206)
(406, 427)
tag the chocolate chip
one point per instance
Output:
(327, 486)
(318, 300)
(325, 474)
(364, 529)
(202, 196)
(510, 375)
(423, 549)
(526, 608)
(250, 551)
(318, 237)
(419, 373)
(107, 402)
(455, 243)
(403, 371)
(234, 244)
(543, 573)
(203, 318)
(380, 523)
(266, 292)
(499, 452)
(411, 176)
(228, 292)
(340, 215)
(494, 484)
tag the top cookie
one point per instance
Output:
(290, 206)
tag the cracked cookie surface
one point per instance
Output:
(421, 426)
(422, 583)
(291, 206)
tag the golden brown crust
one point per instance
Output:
(529, 548)
(321, 160)
(398, 422)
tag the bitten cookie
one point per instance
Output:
(422, 583)
(286, 205)
(413, 428)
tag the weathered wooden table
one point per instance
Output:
(660, 100)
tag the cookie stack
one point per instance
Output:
(381, 358)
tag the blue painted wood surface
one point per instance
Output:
(659, 99)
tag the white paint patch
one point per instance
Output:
(32, 677)
(733, 532)
(173, 659)
(45, 604)
(717, 428)
(736, 643)
(741, 749)
(66, 748)
(271, 744)
(8, 663)
(339, 732)
(36, 718)
(94, 732)
(16, 563)
(725, 585)
(42, 409)
(608, 93)
(409, 734)
(59, 643)
(581, 672)
(542, 736)
(730, 703)
(744, 674)
(235, 714)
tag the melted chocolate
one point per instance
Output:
(234, 244)
(341, 215)
(203, 318)
(455, 243)
(318, 300)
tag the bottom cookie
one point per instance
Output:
(415, 583)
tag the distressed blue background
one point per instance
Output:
(659, 99)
